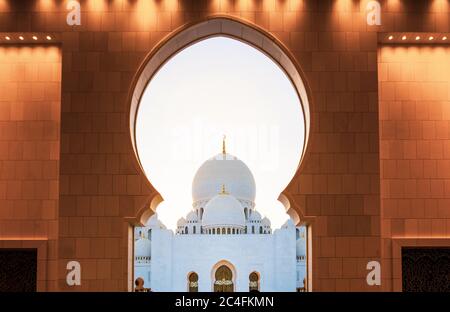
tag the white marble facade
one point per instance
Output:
(223, 229)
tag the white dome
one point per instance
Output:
(301, 247)
(143, 248)
(191, 216)
(154, 222)
(181, 222)
(255, 215)
(288, 224)
(223, 210)
(223, 169)
(266, 221)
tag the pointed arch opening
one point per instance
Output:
(223, 277)
(253, 282)
(193, 35)
(193, 282)
(231, 28)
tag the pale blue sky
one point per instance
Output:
(219, 86)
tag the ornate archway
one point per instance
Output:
(216, 26)
(189, 34)
(193, 282)
(223, 281)
(253, 283)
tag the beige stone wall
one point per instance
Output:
(414, 146)
(337, 187)
(30, 102)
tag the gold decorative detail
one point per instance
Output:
(253, 284)
(223, 281)
(223, 191)
(193, 284)
(224, 149)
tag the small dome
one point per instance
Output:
(154, 222)
(223, 169)
(191, 216)
(143, 248)
(289, 223)
(300, 247)
(181, 222)
(223, 210)
(138, 232)
(266, 221)
(255, 216)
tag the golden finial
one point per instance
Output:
(224, 150)
(223, 191)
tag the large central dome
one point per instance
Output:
(224, 210)
(223, 169)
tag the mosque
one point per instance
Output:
(223, 244)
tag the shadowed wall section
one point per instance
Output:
(18, 270)
(414, 147)
(30, 101)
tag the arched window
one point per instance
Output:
(223, 279)
(253, 285)
(193, 230)
(234, 231)
(193, 282)
(186, 230)
(139, 285)
(223, 230)
(260, 230)
(253, 229)
(228, 231)
(214, 231)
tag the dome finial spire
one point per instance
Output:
(224, 149)
(223, 191)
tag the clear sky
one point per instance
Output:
(215, 87)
